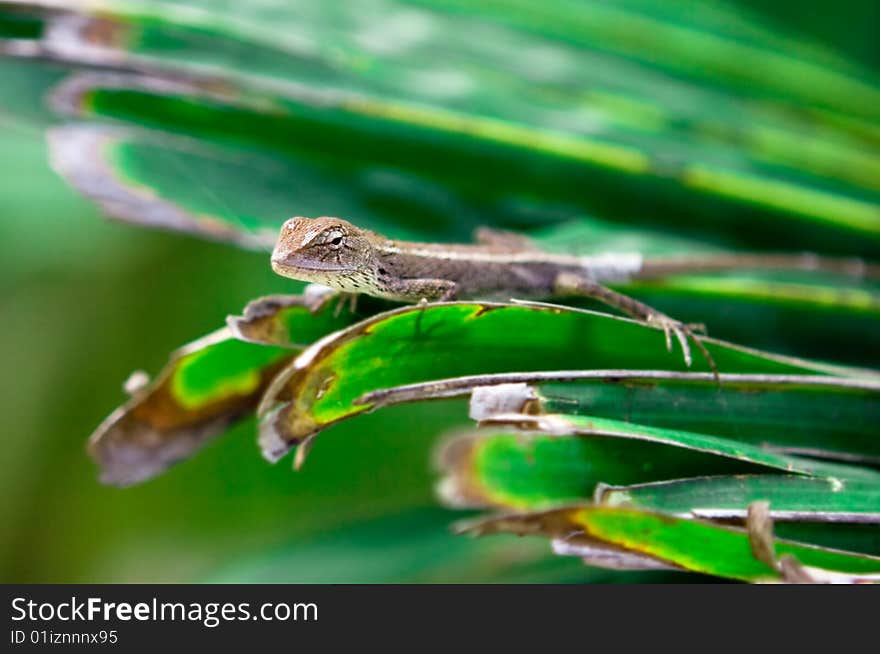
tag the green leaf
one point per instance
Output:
(645, 127)
(689, 544)
(533, 470)
(415, 344)
(832, 417)
(711, 43)
(791, 498)
(527, 170)
(736, 449)
(575, 457)
(206, 386)
(281, 319)
(615, 128)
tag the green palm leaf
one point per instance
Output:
(592, 126)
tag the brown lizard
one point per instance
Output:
(501, 265)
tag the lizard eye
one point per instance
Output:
(334, 238)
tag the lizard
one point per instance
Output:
(500, 265)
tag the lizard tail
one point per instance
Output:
(850, 267)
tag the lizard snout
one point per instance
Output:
(279, 254)
(282, 259)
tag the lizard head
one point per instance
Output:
(325, 250)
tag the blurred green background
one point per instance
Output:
(84, 301)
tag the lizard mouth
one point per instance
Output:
(287, 266)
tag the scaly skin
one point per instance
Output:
(501, 265)
(335, 253)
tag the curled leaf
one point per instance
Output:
(689, 544)
(328, 381)
(205, 387)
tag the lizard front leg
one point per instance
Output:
(345, 298)
(415, 290)
(573, 284)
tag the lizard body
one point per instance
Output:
(335, 253)
(501, 265)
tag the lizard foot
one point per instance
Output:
(683, 333)
(345, 298)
